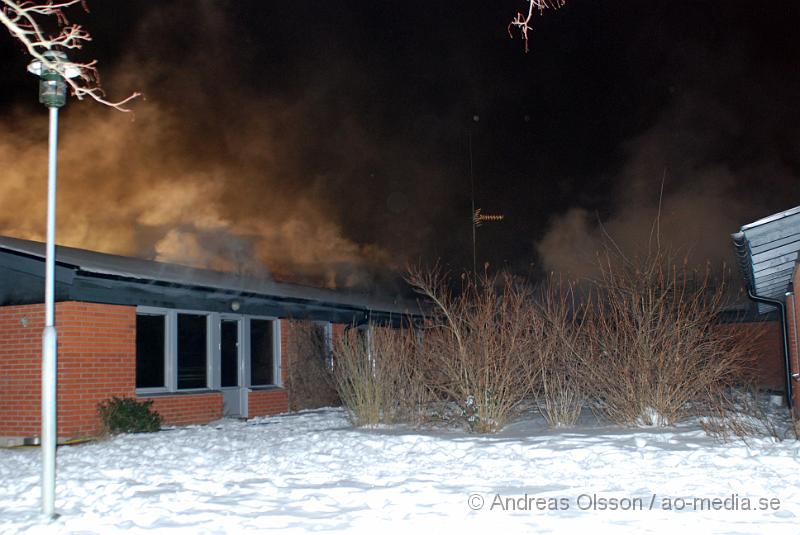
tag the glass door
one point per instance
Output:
(231, 368)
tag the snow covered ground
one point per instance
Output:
(312, 471)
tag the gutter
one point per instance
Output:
(743, 254)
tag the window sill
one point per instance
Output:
(163, 394)
(265, 387)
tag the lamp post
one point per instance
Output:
(53, 94)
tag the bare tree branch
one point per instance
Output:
(522, 22)
(26, 20)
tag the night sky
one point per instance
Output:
(328, 142)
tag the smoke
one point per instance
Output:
(328, 149)
(211, 171)
(699, 172)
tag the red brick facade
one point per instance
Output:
(96, 360)
(765, 347)
(20, 369)
(793, 321)
(268, 401)
(183, 409)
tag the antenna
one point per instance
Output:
(477, 217)
(475, 118)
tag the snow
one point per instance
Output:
(312, 471)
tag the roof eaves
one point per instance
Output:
(771, 218)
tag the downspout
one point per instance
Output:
(743, 252)
(794, 315)
(787, 377)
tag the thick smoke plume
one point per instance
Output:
(211, 171)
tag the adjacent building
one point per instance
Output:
(768, 257)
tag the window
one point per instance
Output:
(365, 333)
(229, 353)
(150, 350)
(180, 350)
(262, 353)
(323, 339)
(192, 351)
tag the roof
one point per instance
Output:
(94, 265)
(768, 251)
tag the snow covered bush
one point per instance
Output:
(654, 355)
(128, 415)
(477, 344)
(310, 381)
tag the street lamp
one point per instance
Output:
(53, 94)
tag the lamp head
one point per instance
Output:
(52, 84)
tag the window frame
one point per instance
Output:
(146, 311)
(209, 350)
(171, 354)
(276, 353)
(213, 350)
(327, 327)
(240, 350)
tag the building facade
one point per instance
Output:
(200, 344)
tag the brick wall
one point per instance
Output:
(183, 409)
(268, 401)
(20, 370)
(765, 350)
(96, 359)
(793, 321)
(338, 330)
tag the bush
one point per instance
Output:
(559, 391)
(127, 415)
(309, 378)
(477, 345)
(357, 382)
(377, 377)
(654, 353)
(645, 349)
(747, 414)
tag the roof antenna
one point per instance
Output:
(477, 217)
(475, 119)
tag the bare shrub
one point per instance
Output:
(309, 378)
(477, 344)
(559, 391)
(376, 376)
(655, 355)
(410, 395)
(745, 413)
(356, 381)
